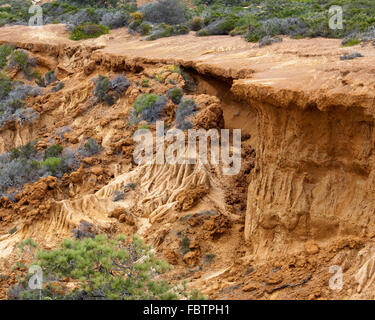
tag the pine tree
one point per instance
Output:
(98, 269)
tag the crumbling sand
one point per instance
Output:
(303, 202)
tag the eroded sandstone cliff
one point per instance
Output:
(302, 202)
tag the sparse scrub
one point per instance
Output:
(185, 109)
(88, 31)
(26, 164)
(19, 58)
(143, 127)
(5, 51)
(103, 86)
(114, 20)
(162, 30)
(45, 81)
(39, 79)
(137, 16)
(145, 29)
(130, 186)
(145, 83)
(26, 115)
(72, 158)
(267, 40)
(148, 107)
(119, 84)
(175, 95)
(165, 11)
(50, 77)
(174, 68)
(53, 151)
(58, 87)
(350, 42)
(90, 148)
(196, 23)
(185, 245)
(53, 166)
(85, 17)
(17, 167)
(74, 14)
(11, 106)
(61, 131)
(5, 86)
(252, 19)
(118, 195)
(351, 56)
(136, 19)
(220, 26)
(24, 152)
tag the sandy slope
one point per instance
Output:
(310, 198)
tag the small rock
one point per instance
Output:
(275, 279)
(249, 287)
(311, 247)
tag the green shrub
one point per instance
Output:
(103, 85)
(5, 85)
(23, 165)
(196, 23)
(101, 269)
(39, 79)
(180, 29)
(148, 107)
(92, 146)
(15, 104)
(175, 95)
(145, 83)
(185, 109)
(350, 42)
(50, 77)
(24, 152)
(5, 51)
(144, 101)
(53, 165)
(145, 29)
(174, 69)
(88, 31)
(53, 151)
(160, 31)
(58, 87)
(185, 245)
(144, 127)
(20, 58)
(165, 11)
(137, 16)
(220, 26)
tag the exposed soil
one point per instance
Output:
(304, 200)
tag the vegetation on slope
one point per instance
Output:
(253, 20)
(88, 31)
(25, 164)
(98, 268)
